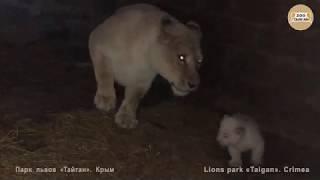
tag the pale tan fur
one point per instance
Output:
(241, 133)
(134, 45)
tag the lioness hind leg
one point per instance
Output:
(105, 98)
(126, 115)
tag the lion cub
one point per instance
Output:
(132, 47)
(240, 133)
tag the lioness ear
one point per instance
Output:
(167, 23)
(226, 116)
(195, 26)
(240, 131)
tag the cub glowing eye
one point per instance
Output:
(182, 58)
(199, 61)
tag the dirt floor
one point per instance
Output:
(47, 119)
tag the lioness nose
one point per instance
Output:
(193, 82)
(193, 85)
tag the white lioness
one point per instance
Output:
(132, 47)
(241, 133)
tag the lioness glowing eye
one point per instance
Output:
(182, 58)
(199, 61)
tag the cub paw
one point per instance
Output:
(126, 120)
(105, 103)
(256, 162)
(235, 163)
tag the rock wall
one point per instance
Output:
(24, 21)
(270, 70)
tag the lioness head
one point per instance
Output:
(179, 56)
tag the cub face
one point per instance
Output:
(230, 132)
(180, 55)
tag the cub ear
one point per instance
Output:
(195, 27)
(240, 131)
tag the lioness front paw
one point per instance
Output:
(126, 120)
(235, 163)
(105, 103)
